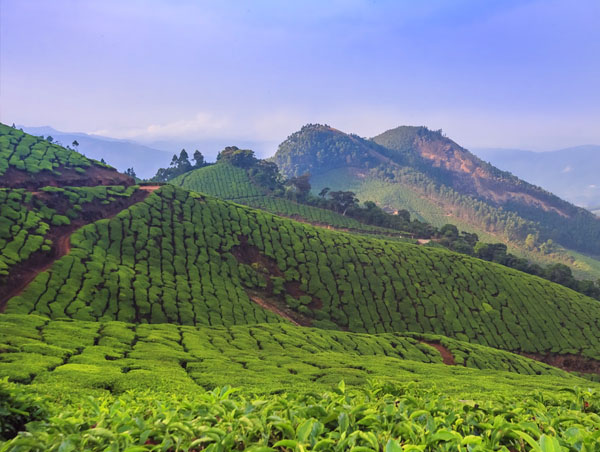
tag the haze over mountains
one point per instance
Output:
(144, 157)
(572, 173)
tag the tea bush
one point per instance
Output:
(33, 154)
(185, 259)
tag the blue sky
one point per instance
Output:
(489, 73)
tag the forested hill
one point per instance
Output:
(409, 163)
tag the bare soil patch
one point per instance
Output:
(447, 356)
(568, 362)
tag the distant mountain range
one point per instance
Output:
(121, 154)
(146, 157)
(572, 174)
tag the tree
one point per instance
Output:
(131, 172)
(343, 200)
(449, 231)
(323, 193)
(198, 159)
(183, 162)
(243, 158)
(530, 241)
(301, 185)
(49, 139)
(75, 144)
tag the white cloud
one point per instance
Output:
(567, 169)
(201, 125)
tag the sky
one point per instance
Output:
(494, 73)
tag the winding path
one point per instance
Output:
(25, 272)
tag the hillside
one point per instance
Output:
(122, 154)
(182, 258)
(570, 173)
(232, 183)
(31, 162)
(169, 296)
(440, 176)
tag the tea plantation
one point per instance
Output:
(157, 387)
(26, 218)
(232, 183)
(181, 258)
(133, 340)
(31, 154)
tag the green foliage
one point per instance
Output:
(380, 417)
(115, 356)
(31, 154)
(26, 220)
(179, 165)
(18, 406)
(188, 260)
(472, 190)
(235, 184)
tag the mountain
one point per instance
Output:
(432, 176)
(570, 173)
(122, 154)
(128, 311)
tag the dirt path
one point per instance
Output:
(447, 356)
(295, 318)
(150, 188)
(22, 274)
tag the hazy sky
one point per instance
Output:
(495, 73)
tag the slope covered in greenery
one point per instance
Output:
(444, 174)
(373, 418)
(93, 385)
(28, 220)
(29, 161)
(232, 183)
(117, 356)
(186, 259)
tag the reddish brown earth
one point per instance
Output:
(150, 188)
(251, 255)
(23, 273)
(568, 362)
(94, 175)
(447, 356)
(294, 317)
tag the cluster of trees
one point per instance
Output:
(179, 165)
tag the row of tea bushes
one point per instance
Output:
(33, 154)
(183, 259)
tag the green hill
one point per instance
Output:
(130, 310)
(437, 177)
(27, 161)
(232, 183)
(121, 356)
(139, 387)
(182, 258)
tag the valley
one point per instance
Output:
(334, 326)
